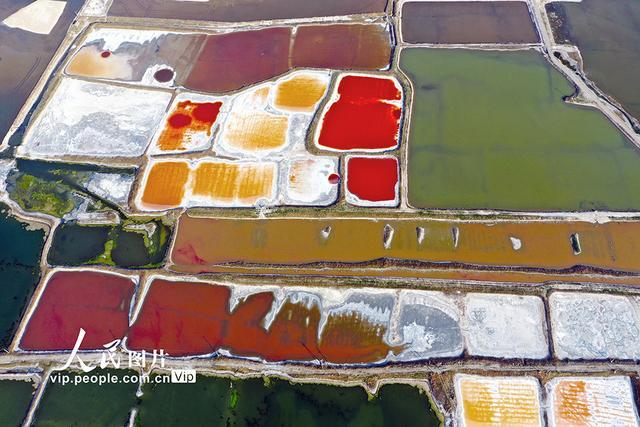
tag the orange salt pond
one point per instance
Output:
(250, 128)
(498, 401)
(189, 125)
(173, 183)
(541, 246)
(164, 186)
(254, 132)
(591, 402)
(237, 184)
(301, 92)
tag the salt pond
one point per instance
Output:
(15, 396)
(275, 402)
(19, 271)
(489, 129)
(105, 405)
(467, 22)
(607, 34)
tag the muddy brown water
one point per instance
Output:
(243, 10)
(24, 57)
(468, 22)
(357, 46)
(203, 243)
(231, 61)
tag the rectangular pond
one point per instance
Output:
(467, 22)
(475, 144)
(205, 244)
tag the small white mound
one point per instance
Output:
(516, 243)
(39, 17)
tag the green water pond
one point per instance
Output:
(490, 130)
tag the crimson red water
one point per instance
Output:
(365, 88)
(207, 111)
(362, 118)
(373, 179)
(96, 302)
(179, 120)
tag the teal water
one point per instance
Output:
(15, 398)
(19, 271)
(87, 405)
(273, 402)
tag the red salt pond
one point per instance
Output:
(372, 181)
(231, 61)
(364, 117)
(181, 318)
(94, 301)
(187, 319)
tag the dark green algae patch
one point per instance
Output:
(19, 271)
(127, 245)
(491, 130)
(608, 35)
(275, 402)
(86, 405)
(15, 398)
(218, 401)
